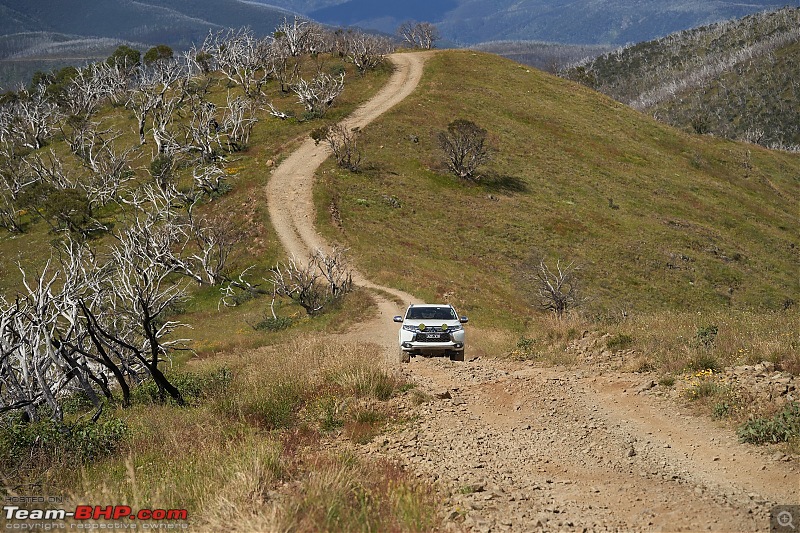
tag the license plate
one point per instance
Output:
(434, 336)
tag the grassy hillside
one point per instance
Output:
(550, 57)
(656, 219)
(736, 79)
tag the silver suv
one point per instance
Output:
(431, 329)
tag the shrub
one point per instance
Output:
(364, 381)
(194, 387)
(706, 336)
(782, 427)
(277, 409)
(47, 442)
(620, 341)
(465, 146)
(274, 324)
(704, 361)
(667, 381)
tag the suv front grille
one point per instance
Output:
(433, 336)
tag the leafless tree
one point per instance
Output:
(557, 289)
(48, 168)
(238, 121)
(314, 283)
(148, 94)
(419, 34)
(210, 179)
(35, 118)
(344, 145)
(202, 134)
(465, 146)
(241, 57)
(213, 242)
(9, 213)
(163, 124)
(367, 51)
(299, 36)
(319, 94)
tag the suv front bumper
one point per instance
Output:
(453, 343)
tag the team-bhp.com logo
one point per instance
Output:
(15, 515)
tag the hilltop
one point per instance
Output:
(657, 219)
(736, 79)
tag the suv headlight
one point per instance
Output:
(458, 327)
(409, 328)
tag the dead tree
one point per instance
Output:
(148, 92)
(419, 34)
(298, 36)
(202, 134)
(367, 51)
(213, 242)
(557, 289)
(318, 95)
(35, 118)
(210, 179)
(163, 117)
(238, 121)
(241, 57)
(344, 145)
(315, 283)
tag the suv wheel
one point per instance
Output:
(457, 356)
(405, 357)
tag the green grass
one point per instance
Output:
(683, 237)
(783, 426)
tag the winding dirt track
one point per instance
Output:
(516, 447)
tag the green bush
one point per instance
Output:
(620, 341)
(194, 387)
(782, 427)
(48, 442)
(274, 324)
(706, 336)
(667, 381)
(328, 408)
(525, 344)
(278, 408)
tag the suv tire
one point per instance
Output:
(457, 356)
(405, 357)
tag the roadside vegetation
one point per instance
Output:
(258, 428)
(253, 450)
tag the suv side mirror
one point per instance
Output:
(464, 320)
(398, 319)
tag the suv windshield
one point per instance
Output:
(431, 313)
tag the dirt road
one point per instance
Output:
(516, 447)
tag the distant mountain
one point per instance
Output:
(561, 21)
(50, 34)
(174, 22)
(736, 79)
(550, 57)
(384, 16)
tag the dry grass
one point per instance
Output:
(250, 459)
(671, 342)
